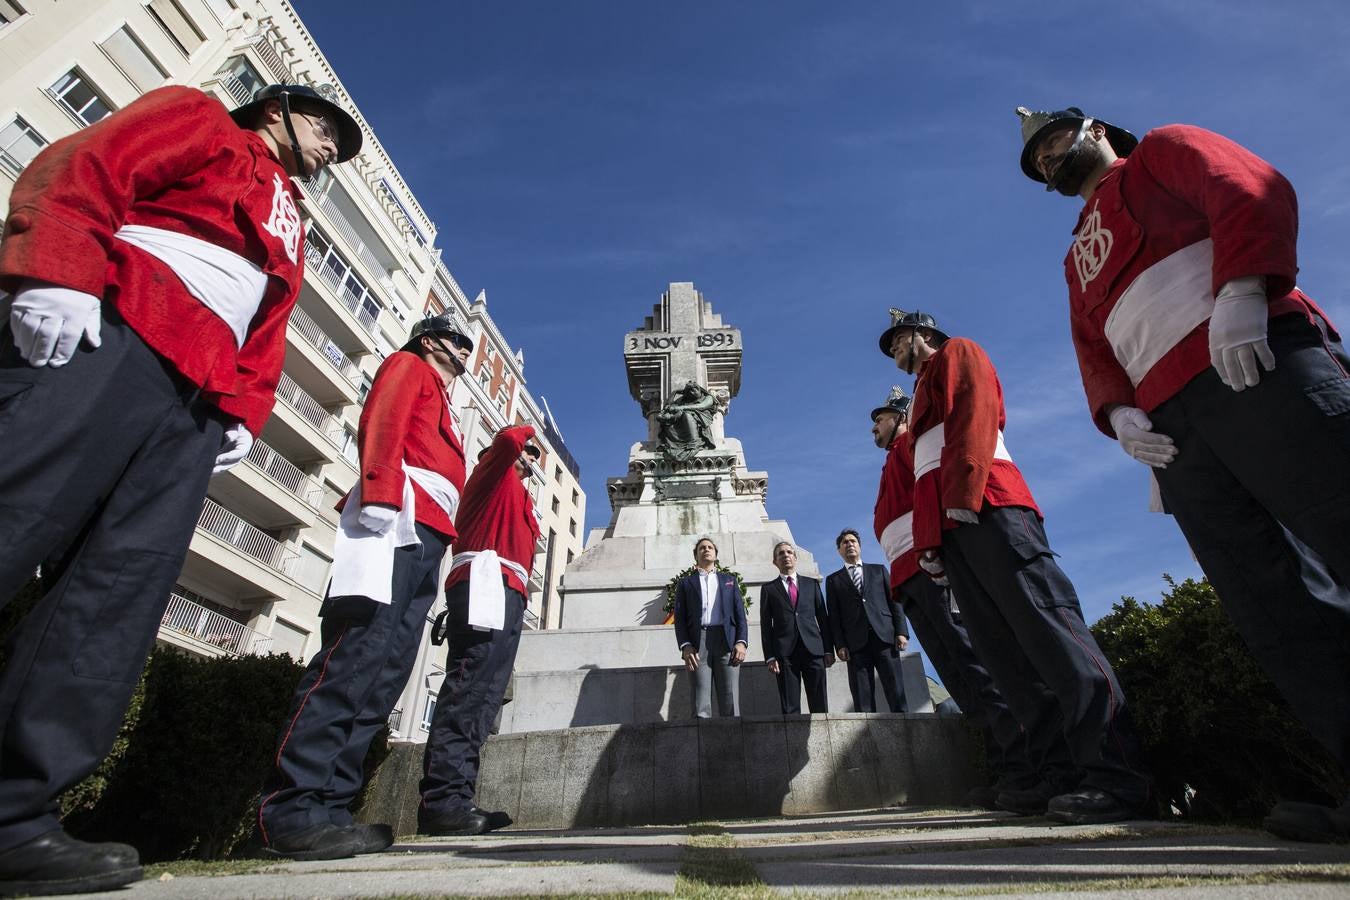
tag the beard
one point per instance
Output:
(1069, 177)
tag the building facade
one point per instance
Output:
(259, 559)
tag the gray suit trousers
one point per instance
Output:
(714, 664)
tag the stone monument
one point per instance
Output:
(686, 479)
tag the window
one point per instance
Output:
(570, 556)
(312, 571)
(10, 12)
(349, 448)
(176, 23)
(75, 93)
(240, 78)
(557, 474)
(428, 710)
(572, 528)
(223, 9)
(19, 143)
(288, 638)
(364, 390)
(556, 504)
(125, 49)
(576, 497)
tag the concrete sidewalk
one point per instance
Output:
(906, 852)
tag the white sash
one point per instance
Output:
(487, 594)
(227, 284)
(1160, 307)
(897, 538)
(363, 561)
(928, 450)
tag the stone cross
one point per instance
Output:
(682, 340)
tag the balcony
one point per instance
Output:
(318, 364)
(531, 621)
(354, 242)
(337, 309)
(300, 428)
(269, 490)
(232, 87)
(240, 560)
(396, 722)
(208, 633)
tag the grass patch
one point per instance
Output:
(188, 868)
(711, 866)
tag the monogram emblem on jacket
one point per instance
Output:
(1091, 247)
(284, 223)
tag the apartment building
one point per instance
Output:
(259, 559)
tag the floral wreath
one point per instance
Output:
(670, 589)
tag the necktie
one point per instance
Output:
(856, 573)
(792, 591)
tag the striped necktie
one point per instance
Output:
(856, 573)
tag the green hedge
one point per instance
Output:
(198, 739)
(1219, 739)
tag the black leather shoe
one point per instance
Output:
(983, 797)
(372, 838)
(1310, 822)
(322, 841)
(56, 863)
(1025, 801)
(1089, 806)
(455, 822)
(495, 820)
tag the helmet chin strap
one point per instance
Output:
(290, 132)
(913, 336)
(1069, 155)
(454, 360)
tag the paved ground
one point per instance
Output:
(900, 852)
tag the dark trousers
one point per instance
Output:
(715, 668)
(103, 467)
(478, 666)
(947, 644)
(346, 693)
(1249, 465)
(1026, 626)
(877, 660)
(800, 667)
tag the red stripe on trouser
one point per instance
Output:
(318, 681)
(1111, 704)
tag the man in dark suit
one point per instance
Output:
(712, 631)
(795, 628)
(869, 628)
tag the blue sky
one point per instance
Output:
(808, 165)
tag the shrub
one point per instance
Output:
(1218, 737)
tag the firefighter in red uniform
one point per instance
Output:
(152, 261)
(944, 638)
(396, 525)
(1204, 360)
(486, 594)
(976, 522)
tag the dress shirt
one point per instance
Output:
(712, 612)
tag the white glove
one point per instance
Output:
(48, 322)
(1237, 333)
(1134, 431)
(931, 563)
(234, 446)
(378, 519)
(969, 516)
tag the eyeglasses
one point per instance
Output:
(322, 128)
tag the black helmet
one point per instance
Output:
(1034, 124)
(304, 97)
(897, 402)
(444, 325)
(901, 319)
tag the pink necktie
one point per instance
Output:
(792, 591)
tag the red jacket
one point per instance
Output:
(173, 160)
(496, 512)
(1166, 228)
(407, 419)
(958, 391)
(895, 499)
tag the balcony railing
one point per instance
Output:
(313, 334)
(309, 409)
(285, 473)
(194, 620)
(265, 44)
(238, 91)
(351, 300)
(248, 539)
(531, 621)
(354, 241)
(396, 721)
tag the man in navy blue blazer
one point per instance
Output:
(711, 629)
